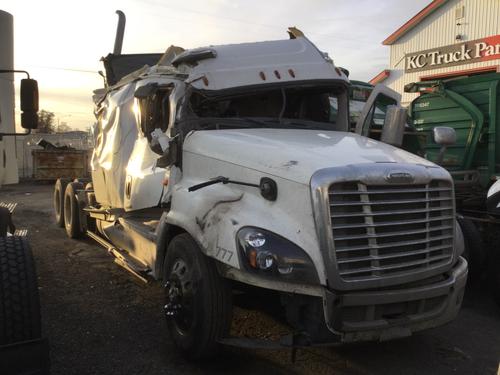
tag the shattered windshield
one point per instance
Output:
(284, 107)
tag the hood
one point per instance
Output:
(294, 154)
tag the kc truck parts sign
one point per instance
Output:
(455, 54)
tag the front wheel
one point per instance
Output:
(197, 299)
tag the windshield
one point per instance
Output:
(284, 107)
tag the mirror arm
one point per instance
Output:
(15, 71)
(14, 134)
(440, 156)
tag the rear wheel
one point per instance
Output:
(59, 189)
(197, 299)
(72, 211)
(19, 303)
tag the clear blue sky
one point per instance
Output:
(61, 42)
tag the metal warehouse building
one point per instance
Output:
(448, 38)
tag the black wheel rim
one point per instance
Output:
(179, 297)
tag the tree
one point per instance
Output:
(63, 127)
(46, 122)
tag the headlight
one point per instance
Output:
(270, 255)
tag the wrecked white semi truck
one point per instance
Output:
(224, 168)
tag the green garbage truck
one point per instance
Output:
(469, 105)
(454, 123)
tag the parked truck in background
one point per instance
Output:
(22, 349)
(493, 207)
(222, 169)
(469, 105)
(383, 97)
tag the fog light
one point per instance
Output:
(265, 260)
(256, 239)
(285, 270)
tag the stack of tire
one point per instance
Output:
(19, 303)
(22, 349)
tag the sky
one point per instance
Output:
(61, 42)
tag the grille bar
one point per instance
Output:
(391, 223)
(392, 244)
(406, 201)
(393, 256)
(397, 212)
(382, 230)
(394, 267)
(387, 191)
(392, 234)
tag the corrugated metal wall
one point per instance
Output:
(481, 19)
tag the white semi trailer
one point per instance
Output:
(224, 168)
(22, 348)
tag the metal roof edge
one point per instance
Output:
(414, 21)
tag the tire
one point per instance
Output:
(72, 211)
(474, 251)
(19, 301)
(59, 189)
(197, 299)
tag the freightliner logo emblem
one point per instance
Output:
(399, 177)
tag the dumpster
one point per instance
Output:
(54, 164)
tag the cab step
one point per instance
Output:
(123, 259)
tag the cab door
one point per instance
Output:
(371, 121)
(383, 119)
(144, 180)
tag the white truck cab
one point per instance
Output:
(223, 167)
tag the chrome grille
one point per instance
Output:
(386, 230)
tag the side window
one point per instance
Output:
(154, 111)
(334, 108)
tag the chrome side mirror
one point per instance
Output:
(394, 126)
(444, 136)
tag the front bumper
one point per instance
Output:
(327, 316)
(381, 315)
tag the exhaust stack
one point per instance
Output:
(120, 31)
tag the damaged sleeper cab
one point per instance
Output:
(231, 168)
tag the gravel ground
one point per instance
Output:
(100, 320)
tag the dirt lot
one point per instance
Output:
(100, 320)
